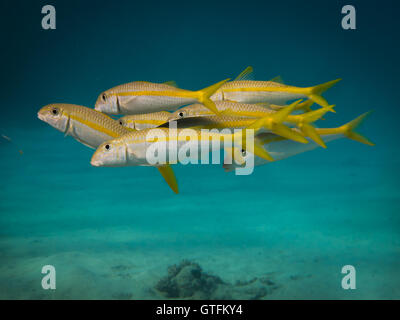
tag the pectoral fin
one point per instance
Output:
(259, 151)
(169, 176)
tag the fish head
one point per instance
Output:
(110, 154)
(189, 111)
(127, 123)
(178, 114)
(107, 103)
(56, 115)
(185, 112)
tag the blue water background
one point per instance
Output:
(302, 218)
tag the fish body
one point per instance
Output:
(85, 125)
(250, 91)
(146, 120)
(146, 97)
(198, 109)
(132, 149)
(238, 115)
(246, 110)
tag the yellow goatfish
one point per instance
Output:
(146, 120)
(85, 125)
(198, 109)
(146, 97)
(250, 91)
(239, 115)
(281, 148)
(270, 120)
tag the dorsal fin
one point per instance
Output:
(246, 74)
(278, 79)
(171, 83)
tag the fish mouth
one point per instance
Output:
(41, 116)
(95, 163)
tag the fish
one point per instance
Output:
(146, 120)
(146, 97)
(270, 120)
(239, 115)
(250, 91)
(86, 125)
(281, 148)
(242, 109)
(6, 137)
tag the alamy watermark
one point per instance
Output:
(349, 280)
(49, 20)
(349, 20)
(189, 146)
(49, 280)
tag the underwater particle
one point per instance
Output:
(5, 137)
(8, 139)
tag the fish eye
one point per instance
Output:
(55, 111)
(121, 123)
(104, 97)
(107, 146)
(243, 152)
(181, 114)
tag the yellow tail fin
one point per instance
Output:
(205, 94)
(274, 121)
(305, 106)
(315, 115)
(349, 130)
(314, 93)
(169, 176)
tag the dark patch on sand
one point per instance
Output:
(188, 281)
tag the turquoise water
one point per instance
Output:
(111, 233)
